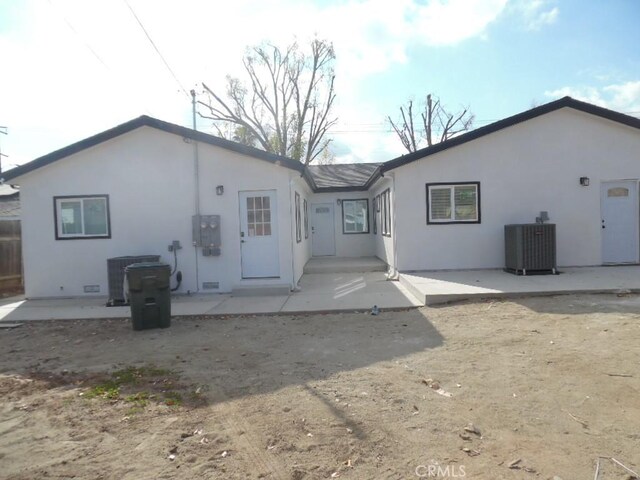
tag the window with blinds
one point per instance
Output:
(453, 203)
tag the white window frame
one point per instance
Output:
(452, 220)
(344, 223)
(298, 218)
(306, 218)
(385, 213)
(57, 211)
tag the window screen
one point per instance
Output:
(82, 217)
(355, 216)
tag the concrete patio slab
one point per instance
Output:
(250, 304)
(447, 286)
(78, 308)
(319, 292)
(349, 291)
(344, 265)
(67, 308)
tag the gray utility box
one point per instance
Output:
(206, 234)
(150, 295)
(530, 248)
(115, 272)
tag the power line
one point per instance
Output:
(86, 44)
(156, 48)
(349, 128)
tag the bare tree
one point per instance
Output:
(286, 107)
(434, 122)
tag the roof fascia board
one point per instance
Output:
(360, 188)
(565, 102)
(159, 125)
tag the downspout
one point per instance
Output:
(196, 175)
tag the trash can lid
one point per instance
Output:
(148, 266)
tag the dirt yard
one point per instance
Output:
(551, 382)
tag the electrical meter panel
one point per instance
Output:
(206, 234)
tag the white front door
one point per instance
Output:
(323, 241)
(259, 234)
(620, 219)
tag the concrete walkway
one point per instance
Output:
(319, 293)
(446, 286)
(348, 291)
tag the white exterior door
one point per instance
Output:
(259, 234)
(323, 241)
(620, 220)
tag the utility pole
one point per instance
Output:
(196, 179)
(4, 131)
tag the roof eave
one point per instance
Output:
(147, 121)
(357, 188)
(565, 102)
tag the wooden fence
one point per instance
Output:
(10, 255)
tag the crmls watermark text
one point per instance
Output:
(440, 471)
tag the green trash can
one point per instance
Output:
(149, 295)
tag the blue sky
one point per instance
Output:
(73, 68)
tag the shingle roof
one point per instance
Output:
(336, 177)
(9, 208)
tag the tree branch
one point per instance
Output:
(434, 118)
(287, 104)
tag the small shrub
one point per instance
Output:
(172, 398)
(140, 399)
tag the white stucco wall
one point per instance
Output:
(524, 169)
(302, 250)
(149, 177)
(384, 244)
(350, 244)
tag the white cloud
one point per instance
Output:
(536, 14)
(446, 23)
(622, 97)
(72, 68)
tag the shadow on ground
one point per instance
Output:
(577, 304)
(229, 358)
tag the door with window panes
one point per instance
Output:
(259, 234)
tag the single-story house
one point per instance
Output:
(9, 203)
(247, 218)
